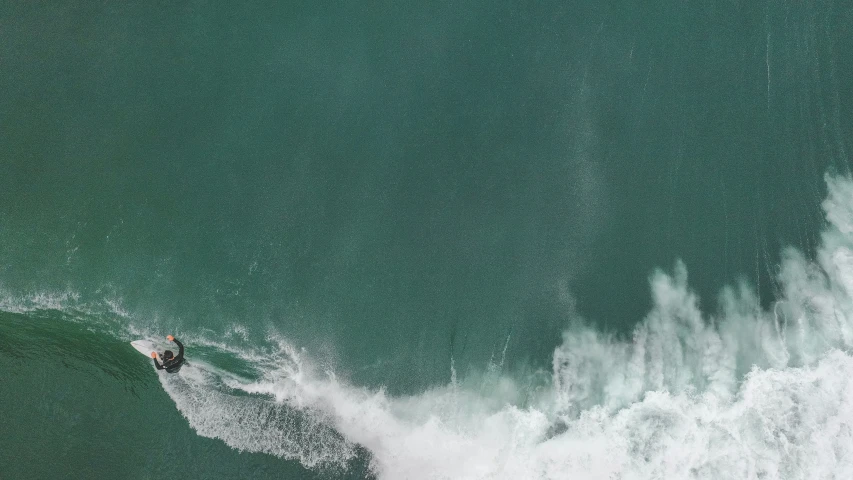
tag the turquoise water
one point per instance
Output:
(445, 240)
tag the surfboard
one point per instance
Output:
(144, 347)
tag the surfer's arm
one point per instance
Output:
(156, 363)
(180, 348)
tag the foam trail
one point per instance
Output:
(255, 423)
(744, 393)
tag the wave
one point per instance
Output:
(743, 392)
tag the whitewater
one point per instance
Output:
(738, 392)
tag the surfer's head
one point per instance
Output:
(167, 355)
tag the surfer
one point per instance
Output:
(171, 363)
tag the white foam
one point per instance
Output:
(30, 302)
(745, 393)
(255, 423)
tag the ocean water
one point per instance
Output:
(427, 240)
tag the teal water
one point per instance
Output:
(424, 240)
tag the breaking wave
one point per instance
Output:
(741, 393)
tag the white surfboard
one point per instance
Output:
(145, 347)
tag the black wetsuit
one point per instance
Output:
(174, 364)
